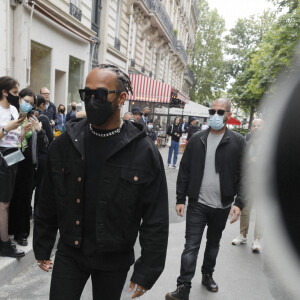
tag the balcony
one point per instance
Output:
(182, 52)
(189, 75)
(195, 4)
(158, 9)
(75, 12)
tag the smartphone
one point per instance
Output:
(22, 116)
(33, 113)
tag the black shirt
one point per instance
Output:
(175, 129)
(97, 150)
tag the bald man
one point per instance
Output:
(253, 148)
(209, 176)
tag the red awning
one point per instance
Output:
(233, 121)
(183, 98)
(148, 89)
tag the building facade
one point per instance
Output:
(152, 38)
(54, 43)
(48, 44)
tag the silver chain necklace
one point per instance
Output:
(106, 134)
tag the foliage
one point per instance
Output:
(242, 131)
(207, 61)
(262, 63)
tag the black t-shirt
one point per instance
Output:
(97, 150)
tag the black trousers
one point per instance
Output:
(198, 216)
(20, 209)
(71, 272)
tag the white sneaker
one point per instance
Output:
(239, 240)
(175, 167)
(170, 166)
(256, 246)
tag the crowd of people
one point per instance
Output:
(28, 125)
(102, 183)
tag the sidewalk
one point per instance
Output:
(11, 267)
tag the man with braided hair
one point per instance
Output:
(104, 184)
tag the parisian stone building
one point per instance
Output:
(55, 43)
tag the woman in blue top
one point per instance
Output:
(61, 119)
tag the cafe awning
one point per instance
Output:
(149, 90)
(183, 98)
(233, 121)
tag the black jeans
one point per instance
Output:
(71, 272)
(198, 216)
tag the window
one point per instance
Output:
(75, 79)
(40, 66)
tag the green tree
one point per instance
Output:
(208, 62)
(276, 51)
(241, 43)
(244, 38)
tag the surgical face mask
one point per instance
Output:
(216, 122)
(99, 112)
(150, 126)
(25, 107)
(73, 108)
(62, 111)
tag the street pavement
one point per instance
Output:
(240, 273)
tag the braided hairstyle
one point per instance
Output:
(123, 81)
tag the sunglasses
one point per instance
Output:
(220, 112)
(100, 94)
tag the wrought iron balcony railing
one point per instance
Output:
(75, 12)
(182, 52)
(156, 7)
(190, 75)
(196, 8)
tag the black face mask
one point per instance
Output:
(146, 114)
(62, 111)
(97, 112)
(74, 108)
(13, 100)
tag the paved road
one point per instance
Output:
(239, 273)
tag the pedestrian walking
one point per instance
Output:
(50, 109)
(192, 128)
(209, 175)
(175, 132)
(253, 148)
(10, 139)
(104, 184)
(145, 115)
(34, 141)
(150, 131)
(137, 115)
(60, 126)
(72, 113)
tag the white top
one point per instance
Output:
(13, 138)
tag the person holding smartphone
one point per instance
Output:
(34, 141)
(10, 139)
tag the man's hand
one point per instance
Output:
(179, 209)
(234, 214)
(52, 123)
(45, 265)
(140, 291)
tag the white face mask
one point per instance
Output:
(150, 126)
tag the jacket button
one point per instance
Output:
(78, 201)
(79, 179)
(135, 178)
(82, 158)
(62, 170)
(76, 243)
(77, 222)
